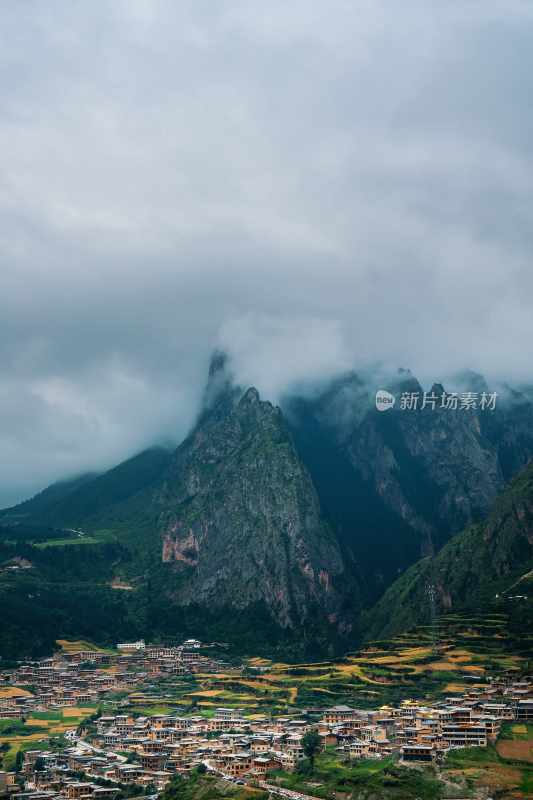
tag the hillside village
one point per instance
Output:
(128, 753)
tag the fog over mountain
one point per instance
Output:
(310, 187)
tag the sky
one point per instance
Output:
(311, 186)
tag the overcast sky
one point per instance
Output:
(311, 185)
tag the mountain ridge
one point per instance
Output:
(477, 567)
(239, 487)
(300, 515)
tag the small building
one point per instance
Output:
(524, 711)
(417, 752)
(131, 647)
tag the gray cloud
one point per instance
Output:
(311, 186)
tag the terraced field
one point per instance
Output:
(7, 692)
(40, 728)
(459, 653)
(69, 646)
(516, 742)
(492, 771)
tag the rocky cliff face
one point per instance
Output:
(399, 483)
(486, 562)
(300, 515)
(432, 467)
(240, 519)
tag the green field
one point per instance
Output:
(427, 663)
(485, 769)
(333, 777)
(38, 731)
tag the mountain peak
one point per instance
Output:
(471, 381)
(251, 396)
(220, 385)
(240, 519)
(218, 363)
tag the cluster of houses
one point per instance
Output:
(85, 676)
(119, 750)
(424, 733)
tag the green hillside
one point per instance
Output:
(488, 565)
(90, 500)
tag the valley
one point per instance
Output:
(398, 717)
(276, 581)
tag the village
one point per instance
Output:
(129, 753)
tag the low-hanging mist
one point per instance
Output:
(312, 189)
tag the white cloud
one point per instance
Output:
(275, 354)
(313, 185)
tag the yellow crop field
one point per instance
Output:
(13, 691)
(261, 685)
(62, 727)
(521, 730)
(454, 688)
(406, 656)
(76, 711)
(31, 737)
(77, 646)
